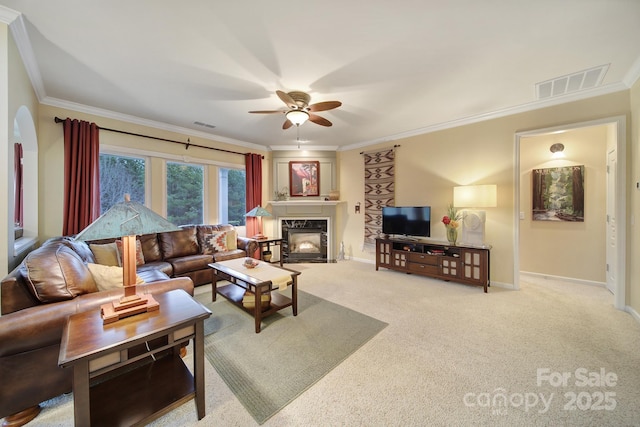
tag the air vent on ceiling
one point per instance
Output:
(586, 79)
(204, 124)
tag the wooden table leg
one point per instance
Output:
(214, 285)
(294, 295)
(258, 307)
(198, 368)
(81, 402)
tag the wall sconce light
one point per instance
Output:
(557, 151)
(358, 207)
(473, 220)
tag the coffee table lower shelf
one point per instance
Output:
(235, 293)
(138, 396)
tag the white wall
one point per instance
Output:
(429, 166)
(566, 249)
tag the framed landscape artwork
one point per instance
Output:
(304, 178)
(558, 194)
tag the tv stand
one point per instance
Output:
(463, 264)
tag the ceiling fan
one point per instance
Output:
(299, 110)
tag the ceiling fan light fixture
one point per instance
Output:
(297, 117)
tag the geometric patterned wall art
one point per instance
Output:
(379, 191)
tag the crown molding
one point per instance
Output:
(304, 148)
(7, 15)
(81, 108)
(21, 37)
(523, 108)
(633, 74)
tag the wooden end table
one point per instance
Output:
(265, 244)
(255, 280)
(119, 378)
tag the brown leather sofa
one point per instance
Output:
(54, 282)
(188, 253)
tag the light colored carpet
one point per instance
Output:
(446, 341)
(268, 370)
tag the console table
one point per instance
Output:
(463, 264)
(130, 372)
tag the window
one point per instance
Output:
(232, 196)
(185, 193)
(120, 175)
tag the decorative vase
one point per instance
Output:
(452, 235)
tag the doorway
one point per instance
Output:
(615, 189)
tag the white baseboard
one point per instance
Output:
(564, 279)
(503, 285)
(633, 313)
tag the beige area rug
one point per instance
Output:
(266, 371)
(446, 342)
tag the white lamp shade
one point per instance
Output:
(475, 196)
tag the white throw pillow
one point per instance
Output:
(109, 276)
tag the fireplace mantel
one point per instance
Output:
(308, 209)
(305, 202)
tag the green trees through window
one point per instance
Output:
(185, 192)
(232, 196)
(120, 175)
(186, 188)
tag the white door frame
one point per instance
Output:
(621, 199)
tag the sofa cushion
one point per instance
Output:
(139, 254)
(215, 242)
(152, 275)
(78, 246)
(203, 230)
(106, 254)
(190, 263)
(56, 273)
(227, 255)
(109, 276)
(150, 247)
(162, 266)
(232, 240)
(179, 243)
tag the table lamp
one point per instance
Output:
(258, 212)
(126, 220)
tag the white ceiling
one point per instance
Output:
(399, 67)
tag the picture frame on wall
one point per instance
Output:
(304, 178)
(558, 194)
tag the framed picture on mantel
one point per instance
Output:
(304, 178)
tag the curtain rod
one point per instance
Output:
(186, 144)
(380, 149)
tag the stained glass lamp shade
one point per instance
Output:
(258, 212)
(126, 220)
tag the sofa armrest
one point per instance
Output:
(247, 244)
(41, 326)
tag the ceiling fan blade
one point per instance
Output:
(319, 120)
(324, 106)
(287, 99)
(287, 124)
(268, 111)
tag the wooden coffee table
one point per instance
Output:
(263, 279)
(130, 372)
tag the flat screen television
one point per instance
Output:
(407, 221)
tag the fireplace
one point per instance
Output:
(304, 240)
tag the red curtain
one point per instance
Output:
(18, 216)
(253, 174)
(81, 175)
